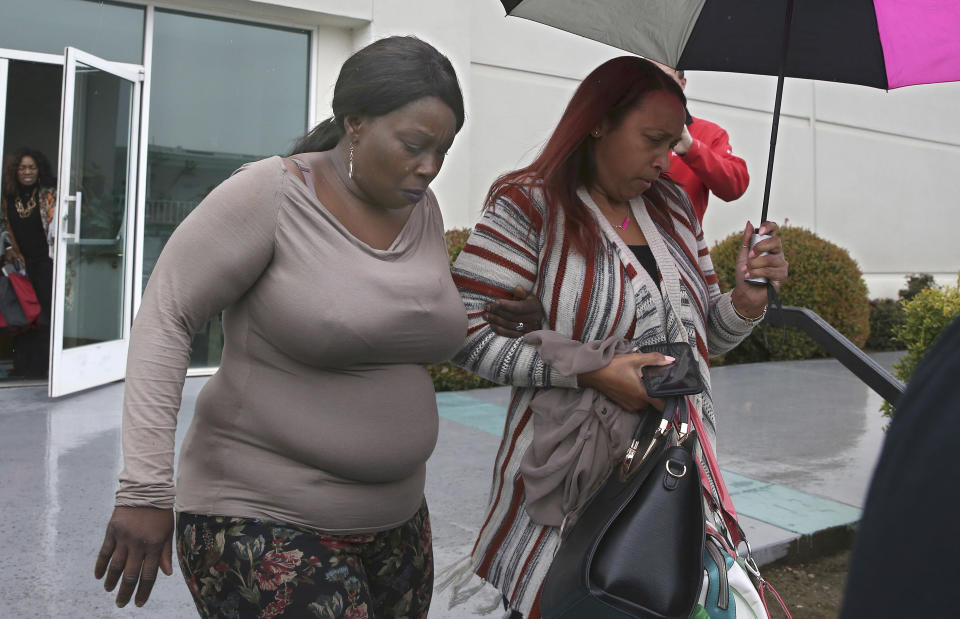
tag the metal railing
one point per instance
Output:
(845, 351)
(168, 212)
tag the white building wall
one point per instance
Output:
(869, 170)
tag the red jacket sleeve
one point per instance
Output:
(712, 160)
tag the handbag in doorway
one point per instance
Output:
(19, 306)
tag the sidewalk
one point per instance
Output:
(797, 442)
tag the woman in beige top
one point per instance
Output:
(300, 483)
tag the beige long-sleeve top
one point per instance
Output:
(321, 413)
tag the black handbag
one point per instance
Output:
(636, 549)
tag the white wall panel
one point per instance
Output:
(334, 46)
(891, 201)
(521, 44)
(752, 92)
(354, 9)
(305, 13)
(513, 113)
(445, 24)
(928, 112)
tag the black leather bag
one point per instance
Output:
(636, 549)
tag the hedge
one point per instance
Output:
(926, 316)
(446, 376)
(823, 277)
(886, 315)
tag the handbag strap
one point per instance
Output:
(726, 503)
(729, 515)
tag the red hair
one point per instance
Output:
(566, 161)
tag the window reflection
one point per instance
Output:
(110, 30)
(223, 93)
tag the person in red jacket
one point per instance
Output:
(703, 161)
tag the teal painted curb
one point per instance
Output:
(779, 506)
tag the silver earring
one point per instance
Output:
(350, 162)
(596, 133)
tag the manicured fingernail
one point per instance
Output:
(747, 274)
(751, 254)
(669, 358)
(485, 317)
(743, 267)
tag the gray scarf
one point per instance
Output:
(578, 434)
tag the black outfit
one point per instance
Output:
(904, 561)
(32, 348)
(645, 255)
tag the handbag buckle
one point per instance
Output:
(672, 473)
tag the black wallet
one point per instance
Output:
(682, 377)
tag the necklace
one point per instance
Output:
(24, 211)
(623, 226)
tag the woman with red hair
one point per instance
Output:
(611, 247)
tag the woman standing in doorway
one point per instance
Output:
(26, 234)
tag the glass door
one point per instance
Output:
(93, 262)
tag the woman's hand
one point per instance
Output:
(749, 299)
(514, 318)
(11, 256)
(138, 541)
(620, 380)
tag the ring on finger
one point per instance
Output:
(520, 326)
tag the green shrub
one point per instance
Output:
(926, 315)
(446, 376)
(885, 316)
(823, 278)
(916, 282)
(456, 239)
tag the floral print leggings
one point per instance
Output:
(240, 567)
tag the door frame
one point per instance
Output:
(136, 191)
(4, 73)
(91, 365)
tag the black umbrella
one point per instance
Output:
(879, 43)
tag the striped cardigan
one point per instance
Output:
(586, 298)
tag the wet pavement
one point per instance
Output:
(797, 441)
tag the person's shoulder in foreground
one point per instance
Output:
(904, 561)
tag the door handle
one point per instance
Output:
(66, 235)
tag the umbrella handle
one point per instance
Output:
(754, 239)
